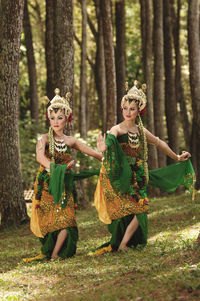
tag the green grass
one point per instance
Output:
(168, 268)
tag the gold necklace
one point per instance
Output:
(59, 144)
(133, 140)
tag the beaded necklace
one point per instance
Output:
(133, 140)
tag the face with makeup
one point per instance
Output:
(57, 120)
(130, 110)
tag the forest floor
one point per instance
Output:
(168, 268)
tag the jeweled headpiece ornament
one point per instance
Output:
(61, 103)
(136, 94)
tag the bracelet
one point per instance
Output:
(179, 157)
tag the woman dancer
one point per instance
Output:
(121, 197)
(53, 208)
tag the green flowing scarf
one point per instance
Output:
(117, 166)
(61, 184)
(170, 177)
(118, 169)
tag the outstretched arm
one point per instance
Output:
(165, 148)
(86, 149)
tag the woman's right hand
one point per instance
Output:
(101, 144)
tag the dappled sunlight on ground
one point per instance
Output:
(166, 269)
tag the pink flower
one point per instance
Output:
(145, 202)
(143, 112)
(70, 118)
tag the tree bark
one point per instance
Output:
(49, 49)
(109, 64)
(64, 48)
(100, 71)
(31, 64)
(194, 66)
(170, 97)
(83, 82)
(12, 205)
(180, 97)
(158, 96)
(120, 59)
(146, 28)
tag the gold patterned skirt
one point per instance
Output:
(111, 205)
(46, 216)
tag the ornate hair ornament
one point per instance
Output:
(136, 94)
(60, 103)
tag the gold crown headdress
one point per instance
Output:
(61, 103)
(136, 94)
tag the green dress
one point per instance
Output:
(121, 191)
(49, 217)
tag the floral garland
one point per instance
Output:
(144, 149)
(43, 177)
(139, 177)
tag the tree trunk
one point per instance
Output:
(31, 64)
(180, 97)
(194, 65)
(146, 28)
(12, 205)
(39, 19)
(100, 71)
(109, 64)
(120, 59)
(158, 97)
(83, 82)
(64, 48)
(170, 97)
(49, 49)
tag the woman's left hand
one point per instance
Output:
(184, 156)
(69, 165)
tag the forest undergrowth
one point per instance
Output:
(168, 268)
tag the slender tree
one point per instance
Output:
(178, 76)
(100, 72)
(49, 48)
(170, 97)
(158, 95)
(64, 48)
(63, 45)
(105, 6)
(146, 28)
(12, 205)
(83, 81)
(31, 64)
(194, 66)
(120, 60)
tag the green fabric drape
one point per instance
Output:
(167, 178)
(56, 183)
(117, 230)
(117, 166)
(68, 248)
(170, 177)
(61, 183)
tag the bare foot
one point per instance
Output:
(54, 256)
(122, 248)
